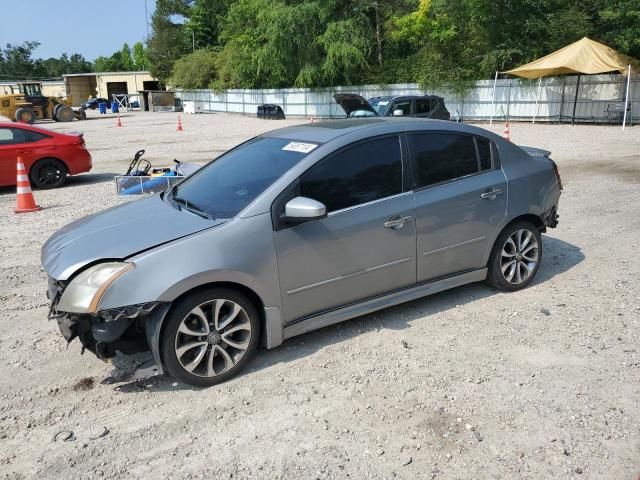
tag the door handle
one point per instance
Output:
(397, 222)
(491, 194)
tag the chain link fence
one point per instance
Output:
(597, 99)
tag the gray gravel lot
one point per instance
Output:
(466, 384)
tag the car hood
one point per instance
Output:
(351, 102)
(118, 233)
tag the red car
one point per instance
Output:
(48, 156)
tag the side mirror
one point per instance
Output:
(398, 113)
(303, 209)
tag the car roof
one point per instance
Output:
(326, 131)
(407, 97)
(26, 126)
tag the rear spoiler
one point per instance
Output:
(536, 152)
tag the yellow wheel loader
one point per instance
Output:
(29, 105)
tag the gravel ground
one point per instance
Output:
(466, 384)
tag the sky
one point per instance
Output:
(89, 27)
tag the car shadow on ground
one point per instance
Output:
(72, 181)
(89, 179)
(558, 257)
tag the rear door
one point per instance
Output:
(423, 107)
(366, 244)
(460, 194)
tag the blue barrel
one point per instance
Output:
(102, 107)
(114, 107)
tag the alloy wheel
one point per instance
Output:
(49, 175)
(212, 338)
(519, 257)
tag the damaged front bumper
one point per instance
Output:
(127, 330)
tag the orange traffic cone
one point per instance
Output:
(24, 199)
(505, 134)
(179, 128)
(118, 123)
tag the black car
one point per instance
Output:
(420, 106)
(92, 103)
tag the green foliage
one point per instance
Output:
(205, 19)
(16, 63)
(140, 58)
(195, 70)
(169, 41)
(438, 43)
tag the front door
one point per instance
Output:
(10, 140)
(366, 244)
(460, 194)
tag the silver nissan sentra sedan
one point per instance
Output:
(297, 229)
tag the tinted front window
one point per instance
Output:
(228, 184)
(439, 157)
(380, 105)
(404, 106)
(484, 150)
(359, 174)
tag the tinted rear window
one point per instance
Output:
(484, 150)
(440, 157)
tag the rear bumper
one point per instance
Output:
(550, 218)
(82, 162)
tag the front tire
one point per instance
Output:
(25, 115)
(210, 336)
(516, 257)
(48, 173)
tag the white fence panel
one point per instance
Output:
(552, 99)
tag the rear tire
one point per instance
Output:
(55, 112)
(515, 257)
(26, 115)
(64, 114)
(48, 173)
(209, 336)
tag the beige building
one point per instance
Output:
(81, 86)
(50, 88)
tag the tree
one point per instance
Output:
(195, 70)
(438, 43)
(169, 41)
(205, 19)
(140, 58)
(126, 59)
(16, 61)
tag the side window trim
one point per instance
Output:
(412, 159)
(366, 204)
(475, 144)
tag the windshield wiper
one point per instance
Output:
(192, 208)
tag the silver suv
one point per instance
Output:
(297, 229)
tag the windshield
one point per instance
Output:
(379, 104)
(228, 184)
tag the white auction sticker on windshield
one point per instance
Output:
(299, 147)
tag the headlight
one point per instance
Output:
(84, 292)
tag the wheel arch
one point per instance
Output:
(156, 325)
(532, 218)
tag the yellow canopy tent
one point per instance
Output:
(585, 56)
